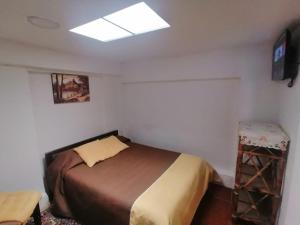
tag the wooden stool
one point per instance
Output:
(18, 207)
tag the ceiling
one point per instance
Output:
(196, 25)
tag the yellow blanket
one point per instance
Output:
(174, 197)
(17, 206)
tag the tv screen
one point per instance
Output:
(280, 57)
(279, 52)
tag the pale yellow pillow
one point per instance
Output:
(99, 150)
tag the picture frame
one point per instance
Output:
(70, 88)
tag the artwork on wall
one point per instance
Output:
(70, 88)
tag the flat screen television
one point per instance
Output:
(284, 64)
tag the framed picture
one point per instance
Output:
(70, 88)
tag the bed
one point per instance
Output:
(140, 185)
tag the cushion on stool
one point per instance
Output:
(18, 206)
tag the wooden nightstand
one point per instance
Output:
(261, 161)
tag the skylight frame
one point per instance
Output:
(127, 22)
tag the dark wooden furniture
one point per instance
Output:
(260, 171)
(37, 215)
(50, 156)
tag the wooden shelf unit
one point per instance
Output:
(257, 192)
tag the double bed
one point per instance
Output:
(140, 185)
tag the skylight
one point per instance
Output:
(133, 20)
(101, 30)
(139, 18)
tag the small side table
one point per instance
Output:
(260, 168)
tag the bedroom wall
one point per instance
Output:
(58, 125)
(194, 103)
(32, 125)
(18, 55)
(19, 161)
(289, 111)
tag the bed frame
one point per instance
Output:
(50, 156)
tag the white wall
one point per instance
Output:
(198, 117)
(289, 118)
(31, 124)
(20, 166)
(23, 55)
(164, 109)
(252, 64)
(59, 125)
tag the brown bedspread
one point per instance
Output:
(105, 193)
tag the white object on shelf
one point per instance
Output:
(268, 135)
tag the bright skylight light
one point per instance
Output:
(101, 30)
(133, 20)
(137, 19)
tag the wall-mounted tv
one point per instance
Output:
(285, 60)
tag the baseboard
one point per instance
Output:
(44, 202)
(226, 180)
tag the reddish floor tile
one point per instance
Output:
(220, 192)
(215, 207)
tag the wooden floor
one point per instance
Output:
(215, 207)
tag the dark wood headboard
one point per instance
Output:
(50, 156)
